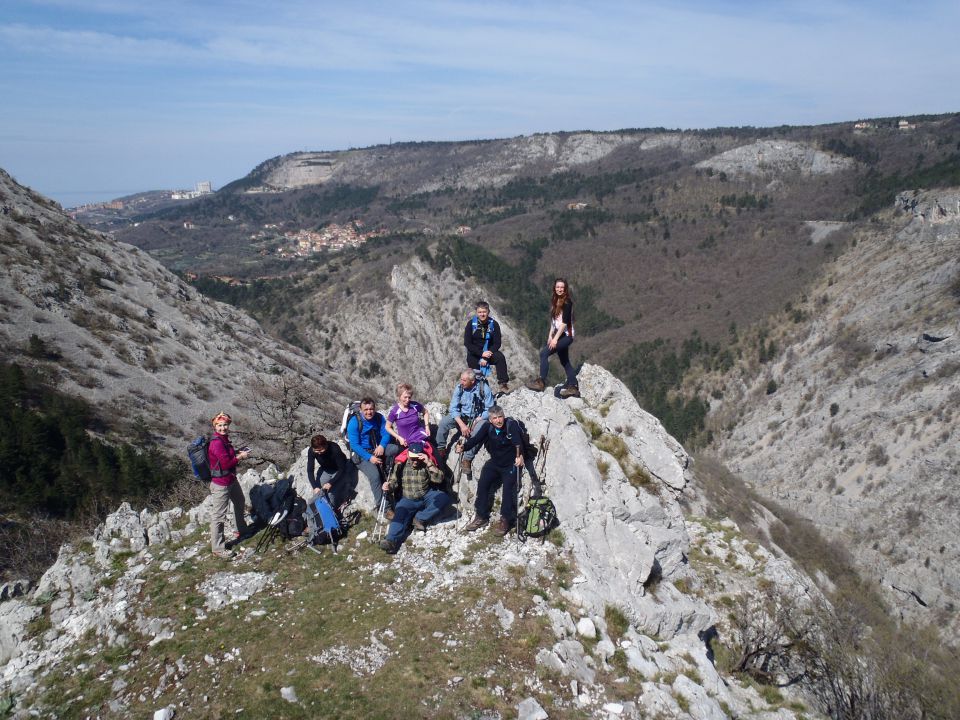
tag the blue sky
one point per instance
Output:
(102, 98)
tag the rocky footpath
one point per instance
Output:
(624, 608)
(857, 431)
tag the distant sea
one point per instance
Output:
(73, 198)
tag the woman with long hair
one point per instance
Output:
(559, 340)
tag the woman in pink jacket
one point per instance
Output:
(224, 488)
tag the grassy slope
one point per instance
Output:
(315, 604)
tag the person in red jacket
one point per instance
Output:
(224, 487)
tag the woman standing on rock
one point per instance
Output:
(559, 340)
(224, 487)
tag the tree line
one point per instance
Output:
(55, 460)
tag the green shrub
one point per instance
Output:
(617, 622)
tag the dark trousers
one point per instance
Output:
(563, 352)
(492, 478)
(375, 476)
(498, 361)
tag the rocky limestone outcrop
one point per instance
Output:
(859, 435)
(622, 531)
(411, 333)
(492, 163)
(770, 158)
(623, 536)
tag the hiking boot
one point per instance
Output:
(570, 391)
(537, 385)
(442, 455)
(224, 554)
(504, 388)
(388, 514)
(501, 527)
(475, 524)
(467, 464)
(418, 525)
(388, 546)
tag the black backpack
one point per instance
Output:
(529, 449)
(294, 523)
(199, 460)
(537, 518)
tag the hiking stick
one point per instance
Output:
(333, 542)
(383, 504)
(456, 481)
(378, 529)
(517, 521)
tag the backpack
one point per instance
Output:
(491, 325)
(340, 524)
(529, 449)
(478, 395)
(199, 461)
(352, 410)
(537, 519)
(294, 523)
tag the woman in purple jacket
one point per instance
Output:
(224, 487)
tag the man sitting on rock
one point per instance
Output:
(482, 339)
(368, 438)
(423, 501)
(503, 441)
(469, 405)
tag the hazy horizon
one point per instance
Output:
(104, 98)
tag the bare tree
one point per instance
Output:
(768, 627)
(279, 403)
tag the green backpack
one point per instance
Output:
(537, 519)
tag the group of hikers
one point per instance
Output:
(396, 452)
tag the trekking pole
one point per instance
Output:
(383, 505)
(456, 482)
(380, 512)
(517, 521)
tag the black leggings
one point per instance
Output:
(562, 350)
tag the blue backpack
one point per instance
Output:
(199, 461)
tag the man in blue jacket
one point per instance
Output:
(469, 405)
(504, 442)
(368, 438)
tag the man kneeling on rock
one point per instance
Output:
(423, 501)
(503, 441)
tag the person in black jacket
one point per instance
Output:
(501, 436)
(328, 470)
(482, 339)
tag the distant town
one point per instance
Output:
(331, 237)
(204, 187)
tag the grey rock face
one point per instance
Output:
(529, 709)
(773, 157)
(420, 318)
(860, 436)
(618, 533)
